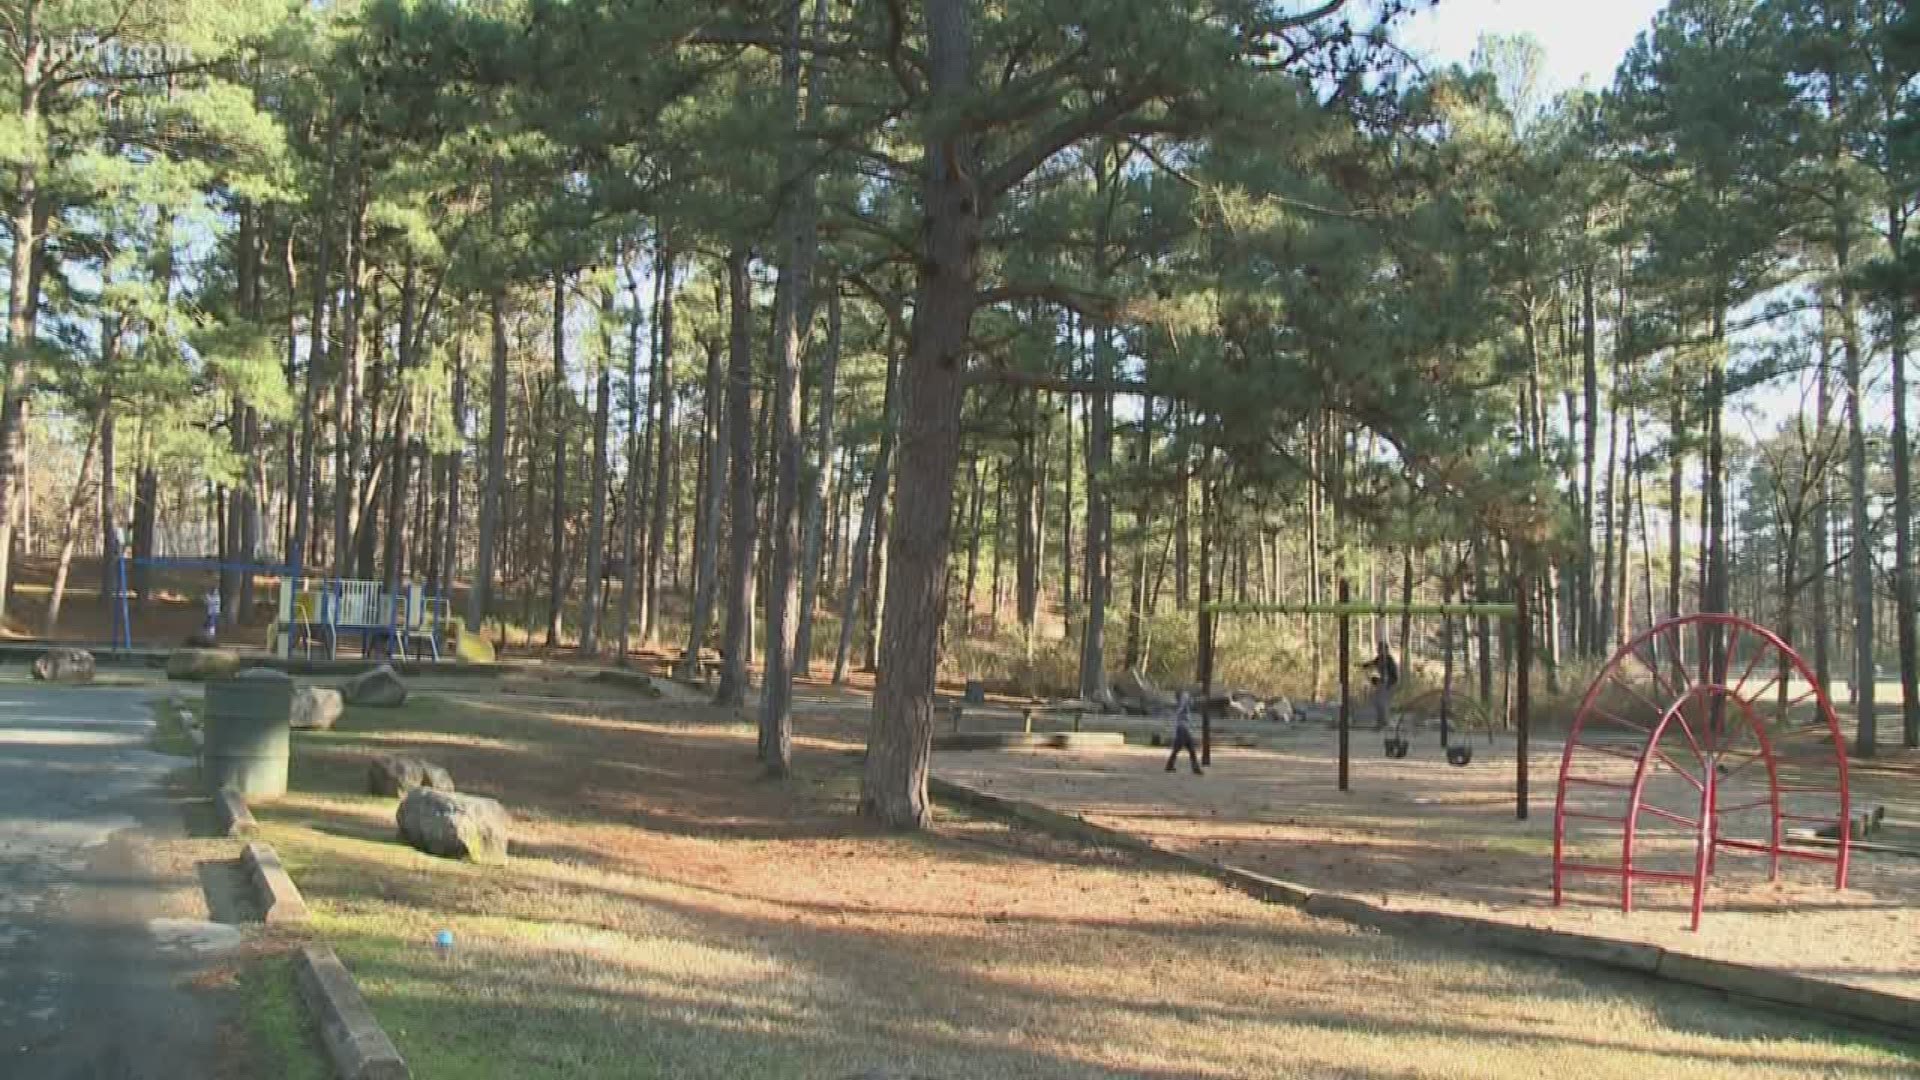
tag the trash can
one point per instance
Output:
(247, 736)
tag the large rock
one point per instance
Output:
(264, 674)
(454, 826)
(380, 687)
(202, 664)
(395, 774)
(1133, 689)
(315, 708)
(64, 666)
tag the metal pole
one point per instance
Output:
(1346, 675)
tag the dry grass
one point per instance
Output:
(669, 914)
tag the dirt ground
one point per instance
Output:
(1421, 835)
(668, 912)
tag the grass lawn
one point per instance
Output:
(668, 914)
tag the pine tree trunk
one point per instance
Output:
(346, 389)
(976, 499)
(1589, 640)
(737, 633)
(1861, 559)
(1822, 625)
(597, 514)
(1026, 570)
(480, 591)
(899, 747)
(795, 226)
(634, 489)
(558, 398)
(393, 556)
(1093, 634)
(817, 493)
(1066, 518)
(1182, 526)
(706, 577)
(26, 219)
(1137, 566)
(1903, 589)
(70, 526)
(663, 464)
(866, 538)
(1483, 627)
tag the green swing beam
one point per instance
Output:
(1345, 610)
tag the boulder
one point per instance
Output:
(202, 664)
(64, 666)
(454, 826)
(315, 708)
(265, 674)
(395, 774)
(380, 687)
(1133, 690)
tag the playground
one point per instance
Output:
(1418, 834)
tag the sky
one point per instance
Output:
(1585, 40)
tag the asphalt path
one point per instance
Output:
(98, 950)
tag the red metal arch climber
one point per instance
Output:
(1673, 760)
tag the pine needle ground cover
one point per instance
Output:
(668, 914)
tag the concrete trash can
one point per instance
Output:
(247, 737)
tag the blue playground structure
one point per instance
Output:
(319, 611)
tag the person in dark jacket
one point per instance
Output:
(1183, 734)
(1386, 675)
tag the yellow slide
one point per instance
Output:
(467, 648)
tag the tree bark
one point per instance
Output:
(597, 514)
(1589, 640)
(1861, 558)
(25, 219)
(480, 592)
(1903, 589)
(899, 747)
(70, 526)
(737, 634)
(1093, 666)
(822, 480)
(632, 493)
(663, 492)
(865, 539)
(707, 553)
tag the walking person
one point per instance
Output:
(1386, 675)
(1183, 734)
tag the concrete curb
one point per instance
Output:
(235, 818)
(359, 1048)
(1857, 1005)
(280, 901)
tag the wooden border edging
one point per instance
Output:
(360, 1050)
(235, 818)
(1876, 1009)
(280, 901)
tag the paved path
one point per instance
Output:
(99, 934)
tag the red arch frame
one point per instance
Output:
(1707, 745)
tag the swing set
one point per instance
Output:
(1705, 736)
(1345, 610)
